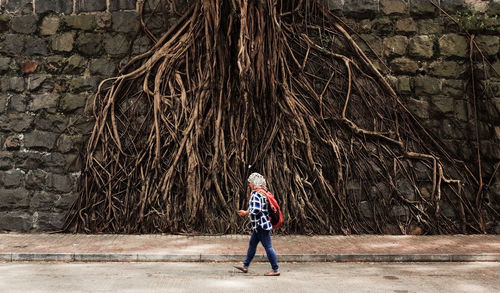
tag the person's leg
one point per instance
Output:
(265, 238)
(252, 248)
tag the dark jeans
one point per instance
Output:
(263, 236)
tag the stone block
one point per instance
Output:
(373, 41)
(404, 65)
(36, 179)
(63, 42)
(25, 24)
(400, 211)
(395, 46)
(102, 66)
(443, 104)
(28, 160)
(406, 189)
(35, 81)
(117, 45)
(15, 122)
(488, 44)
(394, 7)
(403, 85)
(422, 8)
(70, 102)
(68, 143)
(425, 85)
(19, 6)
(12, 44)
(15, 221)
(79, 84)
(4, 23)
(141, 45)
(57, 6)
(103, 20)
(36, 46)
(454, 88)
(11, 178)
(5, 64)
(90, 5)
(430, 26)
(6, 160)
(66, 200)
(50, 25)
(75, 64)
(419, 108)
(447, 209)
(382, 25)
(335, 5)
(449, 69)
(365, 209)
(115, 5)
(125, 22)
(72, 163)
(89, 43)
(46, 101)
(451, 45)
(51, 122)
(40, 140)
(14, 84)
(364, 8)
(14, 198)
(17, 103)
(56, 163)
(44, 200)
(452, 6)
(60, 183)
(421, 46)
(406, 26)
(85, 22)
(48, 221)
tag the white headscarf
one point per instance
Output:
(257, 180)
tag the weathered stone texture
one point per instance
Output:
(394, 6)
(15, 221)
(421, 46)
(25, 24)
(90, 5)
(40, 140)
(57, 6)
(125, 22)
(122, 5)
(14, 198)
(63, 42)
(453, 45)
(85, 22)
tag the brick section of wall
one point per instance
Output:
(53, 54)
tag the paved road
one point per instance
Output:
(220, 277)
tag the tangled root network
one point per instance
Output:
(268, 86)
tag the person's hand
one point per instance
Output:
(242, 213)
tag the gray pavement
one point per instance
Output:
(220, 277)
(292, 248)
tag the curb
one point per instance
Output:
(130, 257)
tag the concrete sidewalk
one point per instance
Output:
(291, 248)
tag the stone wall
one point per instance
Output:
(53, 54)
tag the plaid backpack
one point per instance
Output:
(275, 215)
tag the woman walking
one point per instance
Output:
(258, 211)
